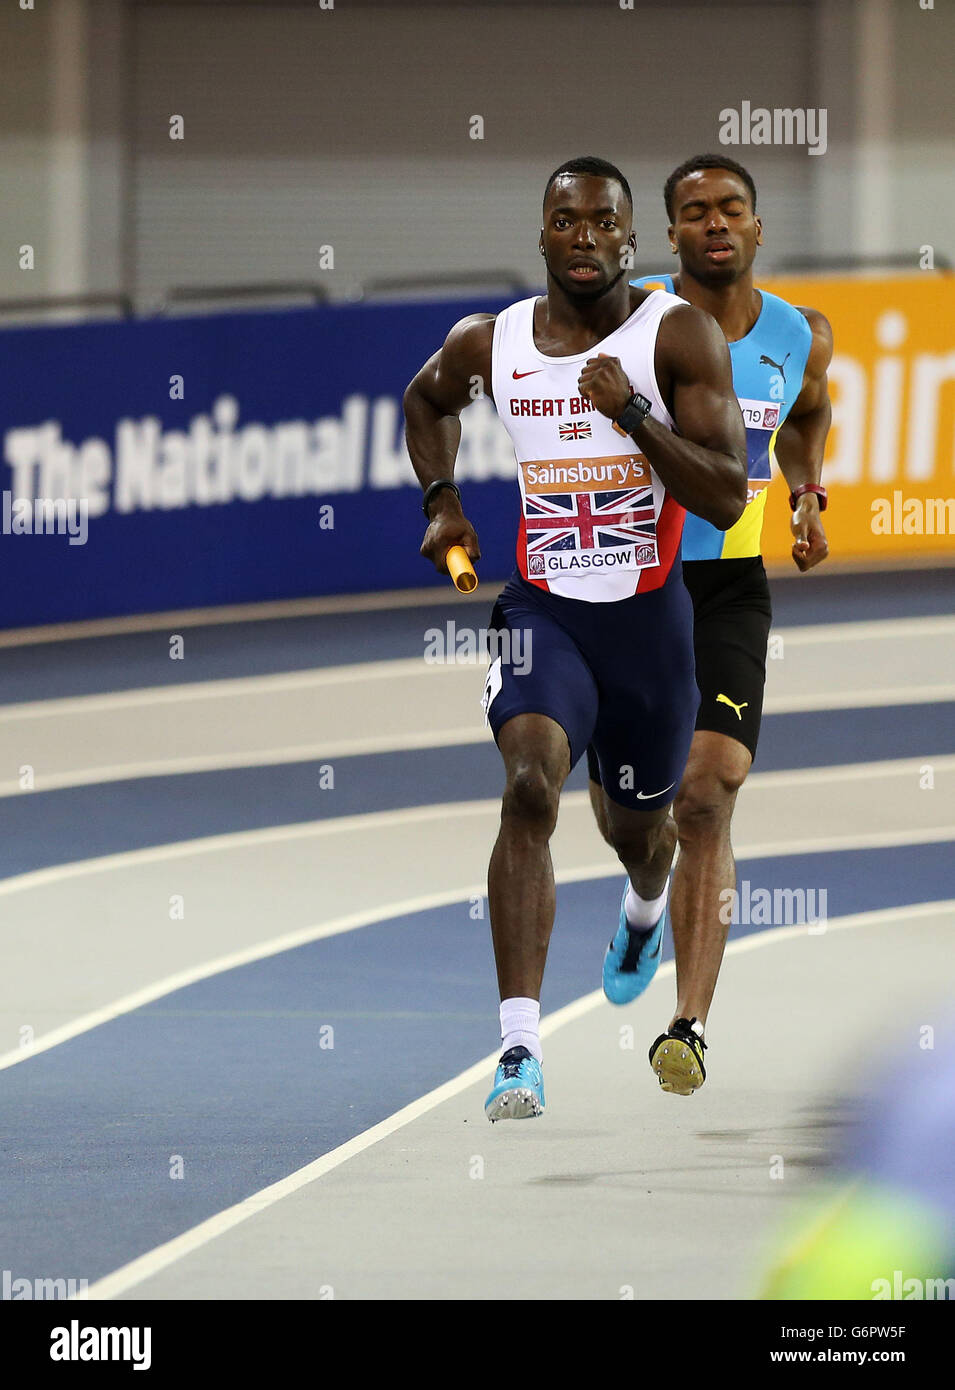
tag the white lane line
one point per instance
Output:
(242, 839)
(852, 772)
(316, 678)
(172, 620)
(262, 950)
(305, 830)
(810, 634)
(378, 601)
(136, 1271)
(266, 757)
(273, 609)
(464, 735)
(312, 679)
(259, 951)
(859, 699)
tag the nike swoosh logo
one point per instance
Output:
(517, 375)
(648, 796)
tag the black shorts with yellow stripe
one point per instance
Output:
(732, 615)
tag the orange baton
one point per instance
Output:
(461, 570)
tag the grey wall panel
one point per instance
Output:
(351, 128)
(923, 133)
(25, 138)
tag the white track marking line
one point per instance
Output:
(340, 603)
(260, 951)
(164, 1255)
(782, 849)
(859, 699)
(358, 672)
(242, 839)
(881, 839)
(851, 772)
(239, 613)
(266, 757)
(302, 830)
(410, 666)
(463, 735)
(807, 634)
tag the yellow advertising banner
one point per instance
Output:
(890, 457)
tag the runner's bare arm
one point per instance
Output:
(704, 465)
(447, 383)
(801, 441)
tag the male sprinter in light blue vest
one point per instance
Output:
(780, 355)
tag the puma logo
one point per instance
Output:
(765, 361)
(725, 700)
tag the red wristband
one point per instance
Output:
(820, 492)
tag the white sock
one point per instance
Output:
(520, 1025)
(642, 913)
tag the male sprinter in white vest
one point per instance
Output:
(780, 356)
(620, 405)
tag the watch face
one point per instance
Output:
(632, 415)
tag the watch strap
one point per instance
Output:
(434, 488)
(633, 414)
(798, 492)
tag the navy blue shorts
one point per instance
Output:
(619, 676)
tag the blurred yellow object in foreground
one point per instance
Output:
(868, 1242)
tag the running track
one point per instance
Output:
(234, 1072)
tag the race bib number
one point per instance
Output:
(761, 419)
(588, 516)
(759, 415)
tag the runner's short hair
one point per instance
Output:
(706, 161)
(590, 164)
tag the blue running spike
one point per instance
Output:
(632, 958)
(518, 1092)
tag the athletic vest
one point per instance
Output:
(596, 522)
(768, 367)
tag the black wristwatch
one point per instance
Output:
(633, 414)
(436, 487)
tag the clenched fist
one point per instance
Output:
(604, 382)
(448, 526)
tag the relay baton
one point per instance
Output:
(461, 570)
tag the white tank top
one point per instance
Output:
(596, 522)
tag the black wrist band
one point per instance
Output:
(633, 414)
(435, 487)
